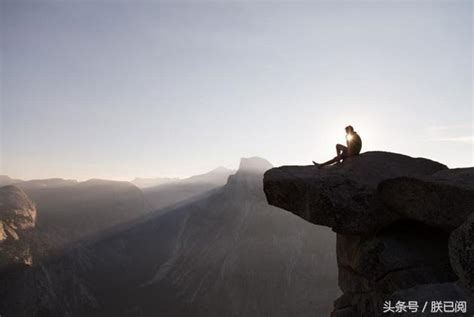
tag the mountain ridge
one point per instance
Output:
(227, 253)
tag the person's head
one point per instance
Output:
(349, 129)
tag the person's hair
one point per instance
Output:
(349, 127)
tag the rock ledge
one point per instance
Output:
(394, 216)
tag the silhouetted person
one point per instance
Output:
(354, 145)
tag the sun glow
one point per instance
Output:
(349, 137)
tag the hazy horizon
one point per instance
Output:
(118, 90)
(152, 177)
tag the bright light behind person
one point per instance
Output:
(349, 133)
(354, 142)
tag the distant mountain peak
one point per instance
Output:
(46, 183)
(254, 164)
(220, 170)
(96, 181)
(144, 182)
(218, 176)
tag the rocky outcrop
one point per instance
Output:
(394, 216)
(17, 216)
(343, 196)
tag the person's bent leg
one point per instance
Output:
(344, 154)
(331, 161)
(341, 151)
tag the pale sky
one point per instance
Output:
(119, 89)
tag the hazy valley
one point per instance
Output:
(209, 245)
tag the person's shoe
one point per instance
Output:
(316, 164)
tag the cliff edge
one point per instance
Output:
(404, 227)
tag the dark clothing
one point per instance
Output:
(342, 151)
(354, 145)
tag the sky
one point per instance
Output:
(122, 89)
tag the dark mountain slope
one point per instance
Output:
(169, 194)
(227, 254)
(69, 211)
(142, 182)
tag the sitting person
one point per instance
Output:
(354, 145)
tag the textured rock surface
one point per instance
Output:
(16, 209)
(393, 259)
(394, 215)
(443, 199)
(17, 215)
(461, 252)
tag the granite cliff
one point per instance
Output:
(17, 217)
(404, 227)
